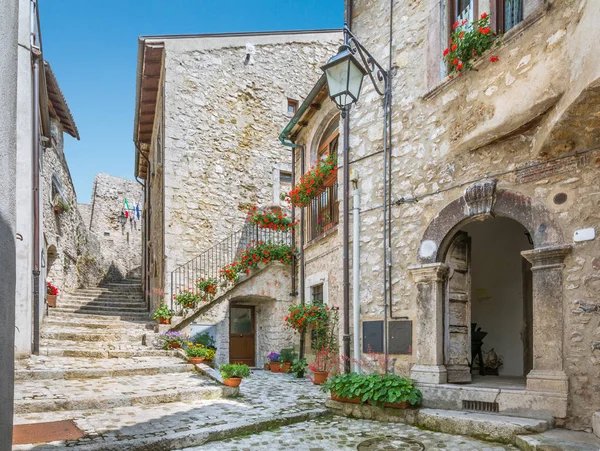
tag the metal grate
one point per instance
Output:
(481, 406)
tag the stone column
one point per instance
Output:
(429, 366)
(547, 374)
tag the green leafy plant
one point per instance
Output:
(288, 355)
(299, 367)
(468, 42)
(207, 288)
(272, 220)
(193, 350)
(187, 298)
(205, 339)
(163, 312)
(377, 389)
(230, 370)
(60, 205)
(255, 253)
(311, 183)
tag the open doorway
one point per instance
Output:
(488, 304)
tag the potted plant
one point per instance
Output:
(205, 339)
(314, 181)
(195, 353)
(207, 288)
(60, 206)
(272, 220)
(51, 294)
(171, 339)
(287, 356)
(163, 314)
(233, 373)
(274, 361)
(493, 362)
(187, 299)
(299, 368)
(325, 363)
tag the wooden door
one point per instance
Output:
(241, 335)
(457, 311)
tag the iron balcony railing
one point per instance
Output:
(323, 213)
(209, 263)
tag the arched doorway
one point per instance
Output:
(488, 322)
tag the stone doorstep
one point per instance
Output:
(94, 373)
(559, 439)
(184, 439)
(490, 427)
(107, 401)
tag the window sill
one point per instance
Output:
(321, 237)
(510, 36)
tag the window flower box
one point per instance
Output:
(314, 181)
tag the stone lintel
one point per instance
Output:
(429, 272)
(547, 257)
(548, 381)
(429, 374)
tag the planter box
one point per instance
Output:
(51, 300)
(349, 400)
(164, 320)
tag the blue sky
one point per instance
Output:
(92, 47)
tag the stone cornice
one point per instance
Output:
(430, 272)
(547, 257)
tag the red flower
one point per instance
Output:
(459, 67)
(454, 47)
(485, 30)
(455, 61)
(484, 15)
(494, 58)
(461, 35)
(464, 21)
(455, 26)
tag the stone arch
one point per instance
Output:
(482, 199)
(329, 117)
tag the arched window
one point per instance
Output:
(323, 212)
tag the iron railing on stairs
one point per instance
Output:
(209, 263)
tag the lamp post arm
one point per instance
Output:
(368, 60)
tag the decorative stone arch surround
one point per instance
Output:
(482, 199)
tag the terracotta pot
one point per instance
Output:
(51, 300)
(195, 360)
(355, 400)
(164, 320)
(190, 305)
(327, 227)
(233, 381)
(398, 405)
(174, 345)
(57, 209)
(285, 367)
(267, 367)
(320, 377)
(274, 367)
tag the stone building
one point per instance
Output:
(494, 208)
(120, 235)
(209, 110)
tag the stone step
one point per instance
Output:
(105, 311)
(107, 393)
(559, 439)
(67, 303)
(57, 313)
(42, 367)
(100, 325)
(83, 334)
(99, 350)
(111, 289)
(104, 297)
(134, 308)
(498, 428)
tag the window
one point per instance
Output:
(316, 294)
(285, 178)
(508, 14)
(463, 9)
(292, 106)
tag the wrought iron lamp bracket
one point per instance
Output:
(369, 62)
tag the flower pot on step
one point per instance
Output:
(285, 367)
(274, 367)
(51, 300)
(398, 405)
(355, 400)
(164, 320)
(267, 367)
(233, 381)
(174, 345)
(320, 377)
(195, 360)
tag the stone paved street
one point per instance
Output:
(343, 434)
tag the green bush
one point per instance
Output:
(205, 339)
(234, 370)
(377, 389)
(288, 355)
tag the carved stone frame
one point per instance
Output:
(482, 199)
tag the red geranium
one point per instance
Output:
(51, 289)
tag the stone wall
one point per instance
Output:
(535, 104)
(225, 105)
(121, 244)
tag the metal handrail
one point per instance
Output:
(209, 263)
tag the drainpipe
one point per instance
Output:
(144, 288)
(356, 271)
(146, 236)
(302, 282)
(36, 54)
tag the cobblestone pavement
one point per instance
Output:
(345, 434)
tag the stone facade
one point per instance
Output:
(121, 244)
(517, 122)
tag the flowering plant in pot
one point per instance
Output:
(326, 362)
(274, 359)
(257, 252)
(207, 288)
(233, 373)
(286, 357)
(60, 206)
(270, 219)
(312, 183)
(171, 339)
(196, 353)
(303, 317)
(163, 314)
(51, 294)
(188, 299)
(299, 368)
(468, 42)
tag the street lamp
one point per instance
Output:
(122, 219)
(345, 73)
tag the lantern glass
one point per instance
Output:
(122, 219)
(344, 77)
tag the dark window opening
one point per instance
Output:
(285, 178)
(292, 106)
(316, 294)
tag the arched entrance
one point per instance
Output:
(480, 201)
(488, 321)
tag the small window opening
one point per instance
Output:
(292, 106)
(285, 178)
(317, 294)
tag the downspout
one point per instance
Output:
(144, 288)
(356, 273)
(302, 264)
(146, 227)
(36, 54)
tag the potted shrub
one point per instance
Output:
(299, 368)
(274, 361)
(163, 314)
(287, 356)
(187, 299)
(325, 363)
(233, 373)
(205, 339)
(382, 390)
(51, 294)
(195, 353)
(207, 288)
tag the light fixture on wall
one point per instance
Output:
(122, 219)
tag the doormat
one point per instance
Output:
(46, 432)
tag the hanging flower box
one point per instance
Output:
(314, 181)
(272, 220)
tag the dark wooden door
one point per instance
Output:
(241, 335)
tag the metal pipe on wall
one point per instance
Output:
(356, 274)
(302, 268)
